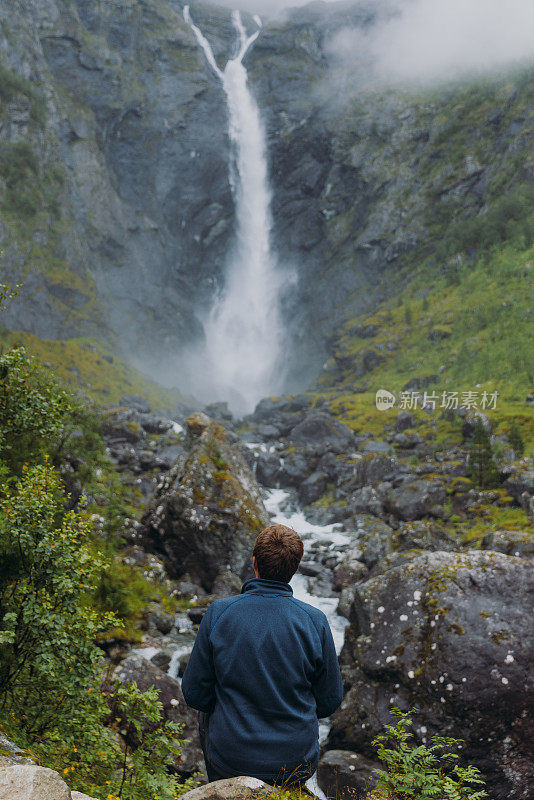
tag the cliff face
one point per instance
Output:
(134, 128)
(118, 214)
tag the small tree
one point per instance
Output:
(424, 772)
(481, 464)
(516, 440)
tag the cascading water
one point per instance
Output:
(242, 355)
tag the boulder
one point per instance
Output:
(268, 470)
(313, 487)
(295, 469)
(404, 421)
(12, 754)
(375, 467)
(146, 674)
(446, 633)
(30, 782)
(80, 796)
(319, 429)
(512, 543)
(414, 499)
(226, 584)
(207, 511)
(521, 481)
(242, 788)
(345, 775)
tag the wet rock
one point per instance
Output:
(313, 487)
(404, 421)
(375, 540)
(311, 568)
(414, 499)
(123, 424)
(348, 573)
(446, 632)
(512, 543)
(12, 754)
(207, 511)
(320, 429)
(155, 425)
(424, 535)
(160, 620)
(226, 584)
(295, 469)
(375, 467)
(346, 775)
(146, 674)
(196, 613)
(268, 470)
(408, 440)
(521, 481)
(366, 501)
(219, 412)
(136, 402)
(162, 660)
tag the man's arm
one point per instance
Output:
(198, 682)
(327, 686)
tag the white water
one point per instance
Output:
(241, 359)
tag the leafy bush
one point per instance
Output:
(33, 411)
(52, 672)
(424, 772)
(47, 650)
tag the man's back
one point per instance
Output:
(264, 666)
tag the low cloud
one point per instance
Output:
(433, 40)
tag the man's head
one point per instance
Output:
(277, 553)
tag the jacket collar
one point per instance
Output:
(264, 586)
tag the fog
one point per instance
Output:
(430, 40)
(268, 7)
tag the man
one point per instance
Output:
(262, 671)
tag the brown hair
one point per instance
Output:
(278, 551)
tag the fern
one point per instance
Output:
(425, 772)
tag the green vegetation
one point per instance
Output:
(13, 85)
(62, 588)
(482, 468)
(426, 772)
(28, 188)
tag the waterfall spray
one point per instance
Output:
(243, 331)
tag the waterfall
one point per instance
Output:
(241, 359)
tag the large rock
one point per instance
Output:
(319, 429)
(175, 709)
(29, 782)
(345, 775)
(12, 754)
(415, 499)
(207, 511)
(242, 788)
(447, 633)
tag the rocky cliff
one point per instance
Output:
(117, 214)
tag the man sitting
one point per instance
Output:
(262, 671)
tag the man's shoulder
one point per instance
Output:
(317, 616)
(219, 606)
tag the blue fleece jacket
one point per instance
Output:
(265, 667)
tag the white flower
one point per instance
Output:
(403, 617)
(411, 674)
(380, 609)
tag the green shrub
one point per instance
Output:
(47, 650)
(423, 772)
(516, 440)
(33, 411)
(481, 468)
(509, 219)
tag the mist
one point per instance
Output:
(434, 40)
(268, 7)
